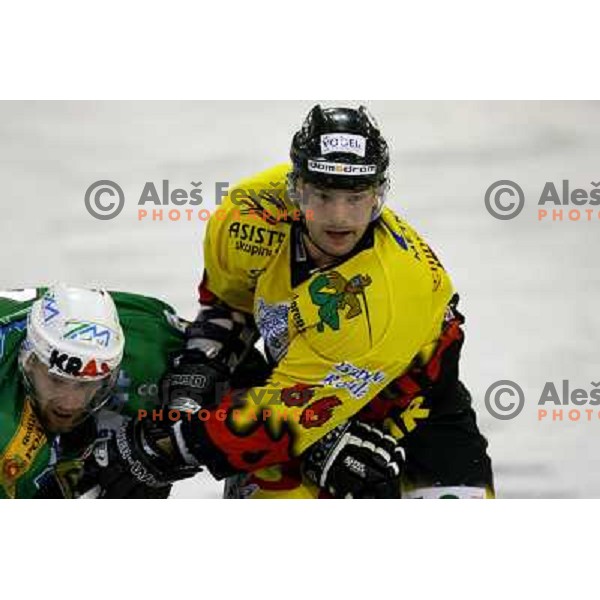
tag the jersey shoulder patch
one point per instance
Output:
(245, 233)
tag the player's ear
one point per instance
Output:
(379, 195)
(376, 203)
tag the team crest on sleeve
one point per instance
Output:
(272, 322)
(22, 450)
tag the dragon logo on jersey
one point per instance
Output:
(332, 292)
(272, 322)
(264, 205)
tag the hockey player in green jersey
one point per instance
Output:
(75, 366)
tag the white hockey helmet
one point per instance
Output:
(75, 332)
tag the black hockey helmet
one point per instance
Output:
(340, 148)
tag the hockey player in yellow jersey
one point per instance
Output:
(360, 395)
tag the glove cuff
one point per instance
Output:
(162, 459)
(318, 456)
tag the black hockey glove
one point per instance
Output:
(356, 460)
(195, 378)
(132, 462)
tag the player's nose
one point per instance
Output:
(71, 401)
(339, 211)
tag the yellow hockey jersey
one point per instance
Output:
(339, 335)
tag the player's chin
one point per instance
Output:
(61, 423)
(339, 244)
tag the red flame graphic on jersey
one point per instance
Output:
(319, 412)
(250, 450)
(400, 392)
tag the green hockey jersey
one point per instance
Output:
(27, 455)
